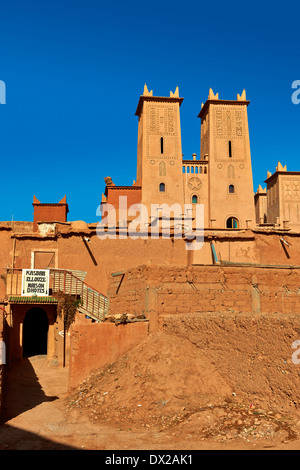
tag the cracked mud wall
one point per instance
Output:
(161, 290)
(244, 319)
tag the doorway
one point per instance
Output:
(35, 332)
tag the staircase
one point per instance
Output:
(93, 303)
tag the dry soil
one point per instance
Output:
(162, 395)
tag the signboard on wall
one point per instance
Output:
(35, 282)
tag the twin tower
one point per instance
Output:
(221, 178)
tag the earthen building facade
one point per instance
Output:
(241, 228)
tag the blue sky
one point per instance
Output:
(74, 71)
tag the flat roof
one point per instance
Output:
(143, 98)
(208, 102)
(290, 173)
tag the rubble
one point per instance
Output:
(166, 383)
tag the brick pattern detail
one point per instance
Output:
(203, 289)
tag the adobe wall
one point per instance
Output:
(99, 258)
(94, 345)
(1, 365)
(158, 291)
(132, 193)
(244, 319)
(49, 212)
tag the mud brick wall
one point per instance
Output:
(1, 366)
(159, 291)
(94, 345)
(126, 293)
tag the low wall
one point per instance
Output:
(160, 291)
(1, 365)
(245, 321)
(96, 344)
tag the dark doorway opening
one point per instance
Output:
(35, 332)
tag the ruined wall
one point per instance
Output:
(159, 291)
(94, 345)
(245, 320)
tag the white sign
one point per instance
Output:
(2, 353)
(35, 282)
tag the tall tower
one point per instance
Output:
(159, 150)
(225, 143)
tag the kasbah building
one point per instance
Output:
(126, 288)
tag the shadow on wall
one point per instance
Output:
(22, 390)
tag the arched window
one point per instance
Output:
(231, 189)
(232, 222)
(162, 187)
(195, 199)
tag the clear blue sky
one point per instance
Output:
(74, 71)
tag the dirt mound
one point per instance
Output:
(161, 381)
(168, 383)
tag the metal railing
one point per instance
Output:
(93, 303)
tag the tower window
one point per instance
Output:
(231, 189)
(162, 187)
(229, 149)
(232, 222)
(195, 199)
(161, 145)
